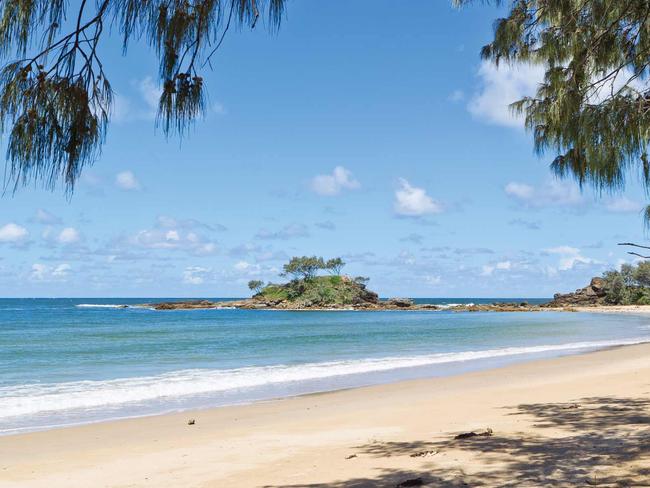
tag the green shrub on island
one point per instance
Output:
(307, 289)
(629, 286)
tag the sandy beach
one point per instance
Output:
(617, 309)
(325, 244)
(580, 420)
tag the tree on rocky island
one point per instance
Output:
(307, 267)
(304, 267)
(335, 265)
(255, 285)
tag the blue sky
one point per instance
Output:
(362, 129)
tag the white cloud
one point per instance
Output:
(121, 110)
(126, 180)
(413, 238)
(244, 249)
(43, 272)
(569, 257)
(520, 190)
(456, 96)
(180, 240)
(195, 275)
(340, 179)
(69, 235)
(488, 269)
(165, 221)
(623, 205)
(218, 108)
(42, 216)
(247, 269)
(242, 265)
(66, 236)
(603, 90)
(553, 193)
(411, 201)
(13, 233)
(326, 225)
(142, 107)
(527, 224)
(190, 236)
(502, 86)
(432, 280)
(150, 92)
(291, 231)
(563, 250)
(172, 235)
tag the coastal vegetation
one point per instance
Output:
(629, 286)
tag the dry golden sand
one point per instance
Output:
(574, 421)
(617, 309)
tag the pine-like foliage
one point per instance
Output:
(55, 98)
(592, 111)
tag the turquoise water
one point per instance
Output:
(69, 361)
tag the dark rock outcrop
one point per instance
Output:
(591, 295)
(367, 296)
(399, 302)
(184, 305)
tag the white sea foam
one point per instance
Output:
(58, 397)
(452, 305)
(100, 305)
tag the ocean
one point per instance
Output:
(74, 361)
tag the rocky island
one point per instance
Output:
(306, 290)
(338, 292)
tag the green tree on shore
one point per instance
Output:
(630, 285)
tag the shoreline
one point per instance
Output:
(74, 455)
(408, 368)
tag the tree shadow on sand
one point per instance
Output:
(600, 441)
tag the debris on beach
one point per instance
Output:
(351, 456)
(191, 422)
(410, 482)
(467, 435)
(424, 453)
